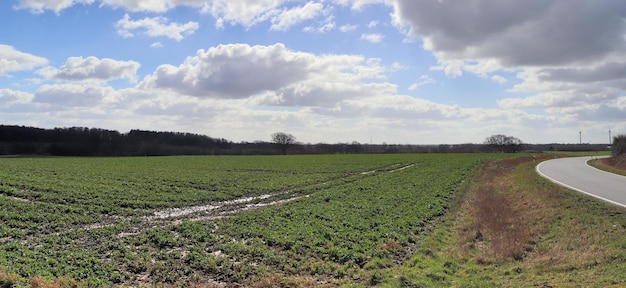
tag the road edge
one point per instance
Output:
(538, 170)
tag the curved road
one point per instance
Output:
(574, 173)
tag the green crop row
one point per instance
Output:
(80, 217)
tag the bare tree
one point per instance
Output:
(503, 143)
(283, 140)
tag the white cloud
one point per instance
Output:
(236, 12)
(404, 107)
(373, 37)
(9, 97)
(232, 71)
(39, 6)
(499, 79)
(397, 66)
(72, 95)
(13, 60)
(92, 68)
(517, 33)
(452, 68)
(156, 27)
(569, 57)
(359, 4)
(423, 80)
(373, 24)
(147, 5)
(347, 28)
(566, 53)
(323, 27)
(272, 75)
(156, 45)
(422, 121)
(245, 13)
(290, 17)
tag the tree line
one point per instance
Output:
(82, 141)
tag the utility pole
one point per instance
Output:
(610, 139)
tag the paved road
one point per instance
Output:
(574, 173)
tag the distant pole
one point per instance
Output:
(610, 140)
(580, 137)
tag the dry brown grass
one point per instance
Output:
(613, 164)
(279, 280)
(390, 245)
(512, 228)
(8, 279)
(502, 221)
(37, 282)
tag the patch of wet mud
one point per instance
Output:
(220, 209)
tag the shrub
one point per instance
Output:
(619, 146)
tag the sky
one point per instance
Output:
(371, 71)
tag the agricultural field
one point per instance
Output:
(213, 221)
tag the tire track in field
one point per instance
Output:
(183, 211)
(223, 209)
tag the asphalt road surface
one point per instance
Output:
(575, 174)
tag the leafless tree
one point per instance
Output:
(283, 140)
(503, 143)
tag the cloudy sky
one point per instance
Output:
(394, 71)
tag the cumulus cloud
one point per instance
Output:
(290, 17)
(232, 71)
(372, 37)
(566, 87)
(404, 107)
(282, 14)
(359, 4)
(499, 79)
(14, 60)
(392, 114)
(245, 13)
(39, 6)
(566, 53)
(149, 5)
(423, 80)
(73, 95)
(156, 27)
(8, 97)
(517, 33)
(273, 74)
(600, 73)
(92, 68)
(324, 26)
(612, 111)
(347, 28)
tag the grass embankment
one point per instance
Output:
(611, 164)
(512, 228)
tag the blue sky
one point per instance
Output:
(394, 71)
